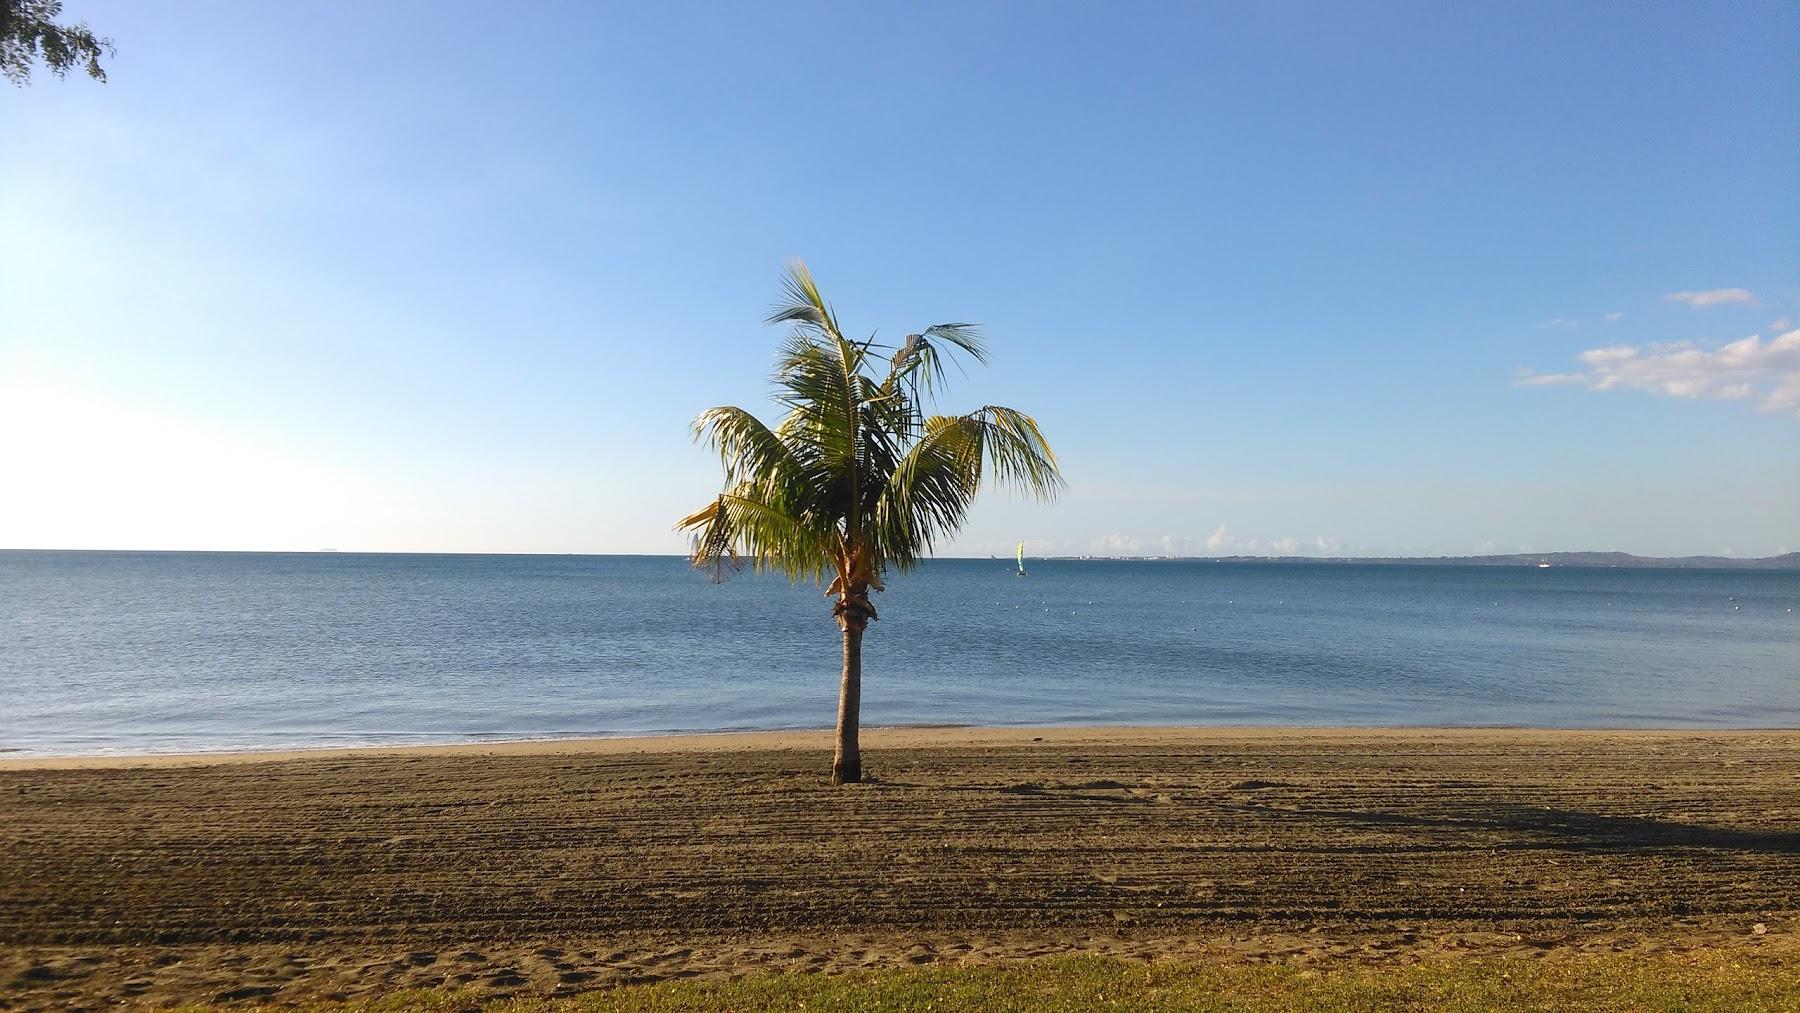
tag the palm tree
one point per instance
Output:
(855, 478)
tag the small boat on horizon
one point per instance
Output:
(1021, 572)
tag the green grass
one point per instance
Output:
(1699, 981)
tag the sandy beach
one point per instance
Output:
(548, 867)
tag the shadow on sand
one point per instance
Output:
(1574, 829)
(1557, 827)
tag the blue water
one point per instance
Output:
(140, 652)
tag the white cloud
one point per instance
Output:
(1712, 297)
(1559, 322)
(1786, 395)
(1614, 317)
(1547, 379)
(1118, 544)
(1607, 355)
(1220, 543)
(1748, 369)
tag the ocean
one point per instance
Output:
(128, 652)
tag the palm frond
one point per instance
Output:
(715, 543)
(920, 360)
(854, 477)
(820, 400)
(930, 490)
(742, 524)
(747, 448)
(801, 304)
(1016, 452)
(967, 337)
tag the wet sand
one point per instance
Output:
(562, 866)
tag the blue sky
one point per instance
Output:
(1355, 279)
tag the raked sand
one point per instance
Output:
(557, 866)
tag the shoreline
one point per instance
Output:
(898, 737)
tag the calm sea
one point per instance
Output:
(139, 652)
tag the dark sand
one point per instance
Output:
(546, 867)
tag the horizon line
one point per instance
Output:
(1071, 557)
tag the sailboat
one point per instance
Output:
(1021, 572)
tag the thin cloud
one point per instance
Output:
(1118, 544)
(1712, 297)
(1750, 369)
(1529, 378)
(1614, 317)
(1223, 543)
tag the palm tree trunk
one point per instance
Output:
(846, 766)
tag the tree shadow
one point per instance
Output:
(1575, 829)
(1551, 826)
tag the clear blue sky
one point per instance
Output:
(1307, 277)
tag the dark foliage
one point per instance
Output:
(29, 33)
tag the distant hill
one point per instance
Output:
(1786, 561)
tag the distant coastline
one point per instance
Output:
(1785, 561)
